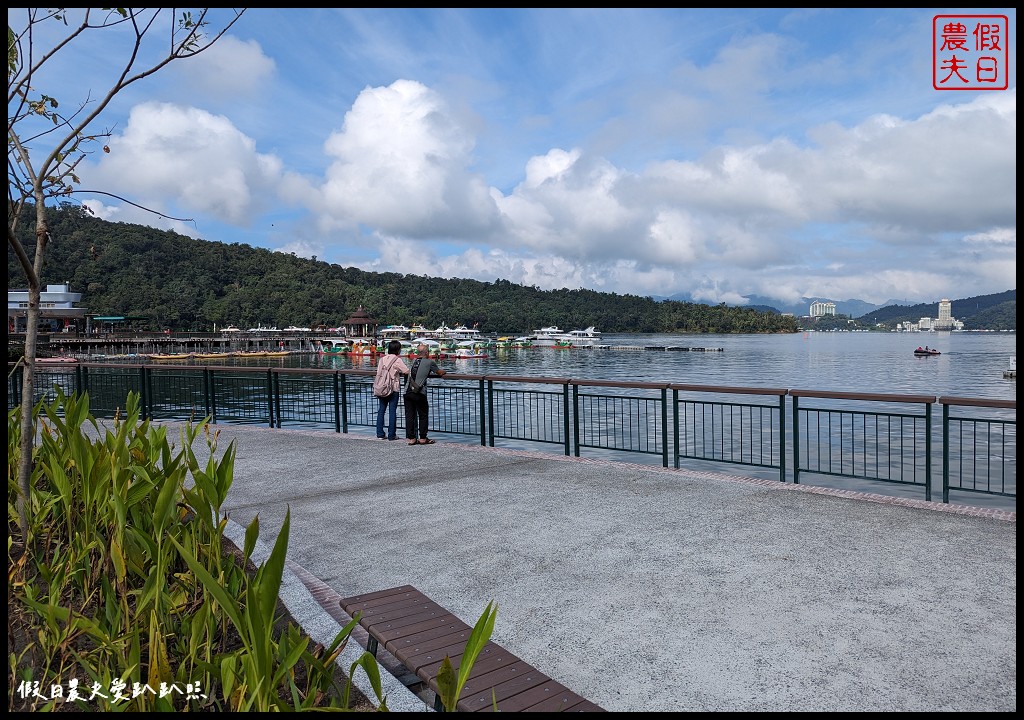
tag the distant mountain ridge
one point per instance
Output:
(869, 312)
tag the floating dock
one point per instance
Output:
(660, 348)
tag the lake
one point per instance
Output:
(971, 364)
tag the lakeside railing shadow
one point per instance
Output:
(885, 440)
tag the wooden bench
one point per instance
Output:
(420, 633)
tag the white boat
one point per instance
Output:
(548, 336)
(461, 332)
(294, 329)
(584, 338)
(1011, 372)
(394, 332)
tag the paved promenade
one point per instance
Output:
(645, 589)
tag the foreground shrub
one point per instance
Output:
(122, 595)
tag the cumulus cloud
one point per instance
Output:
(171, 156)
(399, 164)
(785, 217)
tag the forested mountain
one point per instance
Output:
(985, 312)
(182, 284)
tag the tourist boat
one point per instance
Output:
(548, 336)
(461, 332)
(584, 338)
(394, 332)
(526, 341)
(925, 351)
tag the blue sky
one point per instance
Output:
(718, 153)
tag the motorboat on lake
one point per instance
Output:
(548, 336)
(584, 338)
(926, 351)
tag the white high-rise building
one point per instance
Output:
(945, 320)
(820, 309)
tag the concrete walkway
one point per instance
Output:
(646, 589)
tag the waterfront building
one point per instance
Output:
(58, 310)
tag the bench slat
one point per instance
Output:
(420, 634)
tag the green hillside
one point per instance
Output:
(184, 284)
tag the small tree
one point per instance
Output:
(46, 144)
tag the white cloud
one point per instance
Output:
(170, 157)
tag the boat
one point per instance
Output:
(295, 329)
(548, 336)
(277, 353)
(1011, 372)
(394, 332)
(584, 338)
(465, 350)
(60, 359)
(231, 329)
(926, 351)
(525, 341)
(171, 356)
(213, 355)
(333, 346)
(247, 354)
(361, 347)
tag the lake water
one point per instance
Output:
(971, 364)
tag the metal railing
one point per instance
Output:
(891, 440)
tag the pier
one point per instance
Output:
(123, 345)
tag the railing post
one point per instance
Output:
(782, 438)
(213, 395)
(945, 452)
(675, 426)
(337, 404)
(664, 427)
(575, 418)
(796, 441)
(206, 390)
(277, 396)
(928, 452)
(79, 379)
(18, 378)
(490, 412)
(146, 392)
(270, 397)
(344, 403)
(483, 414)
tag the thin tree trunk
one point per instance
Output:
(28, 435)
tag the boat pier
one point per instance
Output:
(656, 348)
(127, 345)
